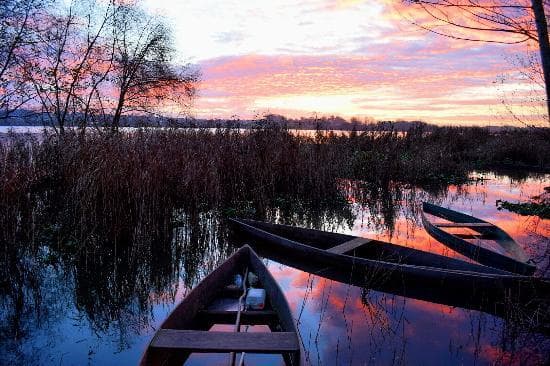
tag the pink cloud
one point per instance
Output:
(412, 80)
(405, 73)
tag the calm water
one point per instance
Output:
(105, 315)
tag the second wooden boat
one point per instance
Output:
(384, 262)
(187, 328)
(402, 271)
(505, 254)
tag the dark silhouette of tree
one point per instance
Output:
(144, 76)
(15, 35)
(63, 59)
(93, 61)
(496, 21)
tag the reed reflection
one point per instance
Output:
(106, 286)
(348, 323)
(110, 286)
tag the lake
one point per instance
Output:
(105, 314)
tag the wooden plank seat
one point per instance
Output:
(214, 342)
(249, 317)
(348, 245)
(464, 224)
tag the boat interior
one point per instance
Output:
(481, 234)
(476, 239)
(227, 329)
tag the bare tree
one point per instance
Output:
(146, 80)
(92, 61)
(498, 21)
(16, 21)
(63, 61)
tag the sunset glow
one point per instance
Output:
(349, 58)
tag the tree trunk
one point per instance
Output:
(544, 45)
(118, 112)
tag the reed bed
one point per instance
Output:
(128, 186)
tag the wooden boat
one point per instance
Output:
(511, 258)
(384, 263)
(186, 330)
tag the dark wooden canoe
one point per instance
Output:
(512, 257)
(384, 262)
(186, 330)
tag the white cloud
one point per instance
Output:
(206, 29)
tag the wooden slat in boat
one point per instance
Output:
(185, 330)
(349, 245)
(212, 342)
(514, 260)
(473, 236)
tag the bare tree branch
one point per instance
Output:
(523, 18)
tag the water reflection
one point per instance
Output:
(343, 324)
(101, 302)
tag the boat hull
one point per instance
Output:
(387, 274)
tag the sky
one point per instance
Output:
(349, 58)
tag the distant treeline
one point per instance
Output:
(30, 118)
